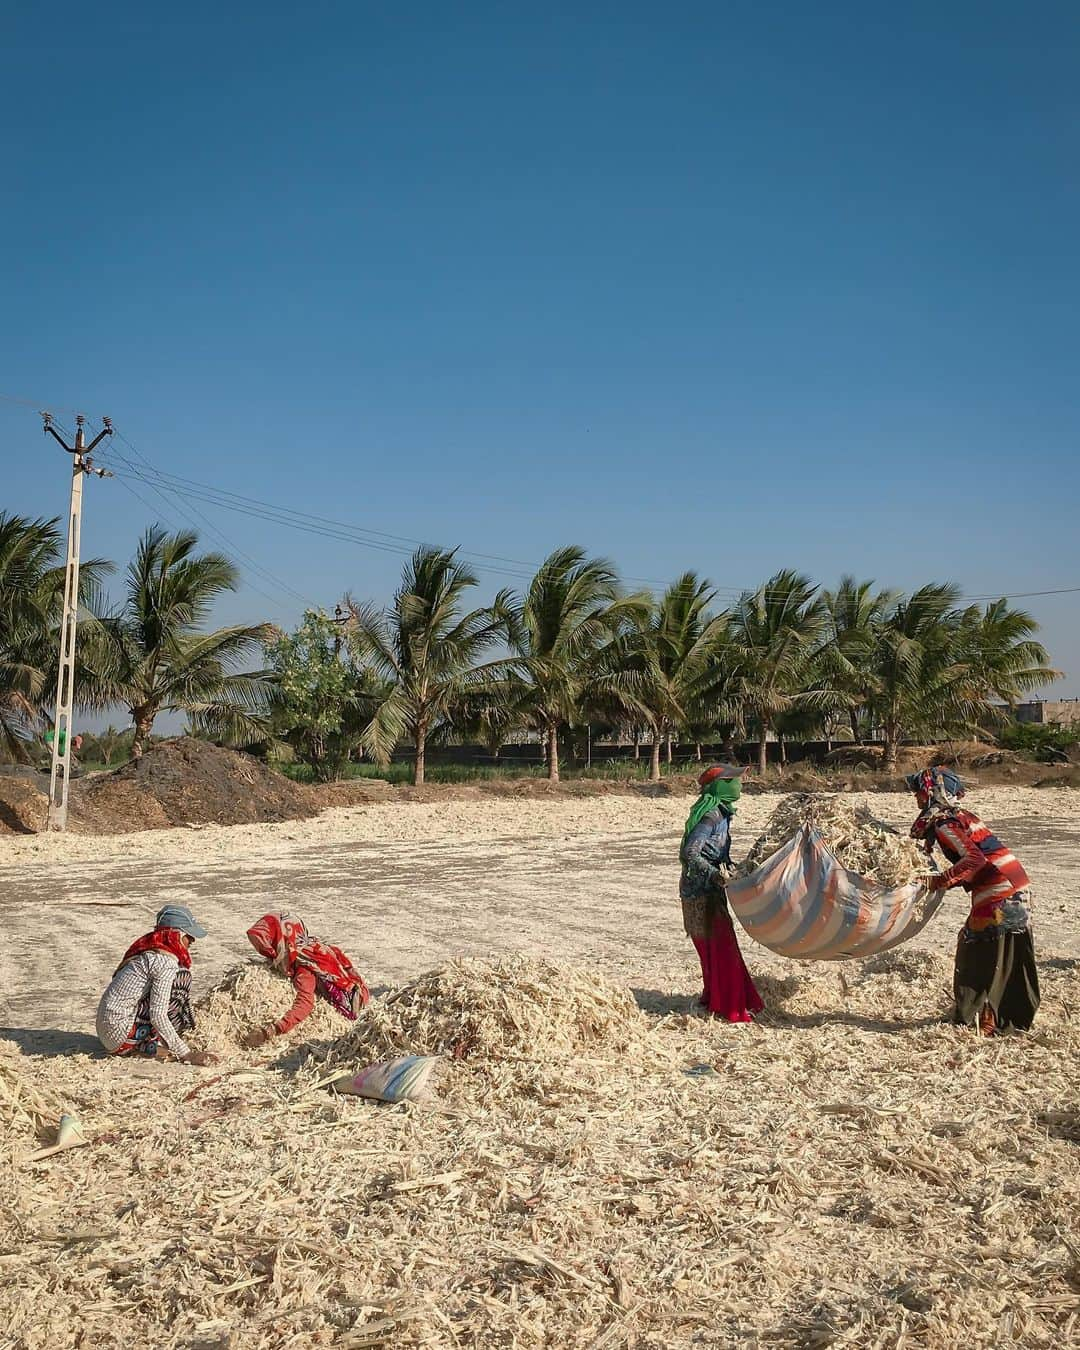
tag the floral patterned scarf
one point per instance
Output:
(284, 941)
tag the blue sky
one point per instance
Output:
(724, 286)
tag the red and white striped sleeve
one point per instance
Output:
(956, 838)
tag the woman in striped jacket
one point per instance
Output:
(995, 981)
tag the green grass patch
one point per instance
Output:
(615, 770)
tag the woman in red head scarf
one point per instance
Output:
(314, 967)
(146, 1009)
(706, 861)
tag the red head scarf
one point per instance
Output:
(160, 940)
(286, 944)
(720, 771)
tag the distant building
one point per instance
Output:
(1059, 712)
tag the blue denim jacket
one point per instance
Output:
(699, 876)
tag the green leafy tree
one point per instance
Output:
(322, 701)
(156, 656)
(853, 613)
(425, 651)
(1001, 660)
(777, 634)
(1042, 741)
(672, 663)
(558, 629)
(105, 745)
(491, 713)
(112, 743)
(914, 668)
(31, 606)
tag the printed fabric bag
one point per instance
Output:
(801, 903)
(392, 1080)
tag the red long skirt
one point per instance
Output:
(729, 990)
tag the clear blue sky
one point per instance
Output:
(723, 286)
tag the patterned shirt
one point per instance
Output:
(699, 876)
(152, 973)
(980, 861)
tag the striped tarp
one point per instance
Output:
(801, 903)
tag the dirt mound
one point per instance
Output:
(187, 782)
(24, 808)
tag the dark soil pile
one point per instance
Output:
(186, 782)
(24, 808)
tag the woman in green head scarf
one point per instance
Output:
(716, 794)
(705, 855)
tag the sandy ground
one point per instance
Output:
(402, 887)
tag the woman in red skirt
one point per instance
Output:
(706, 860)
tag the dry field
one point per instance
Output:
(849, 1171)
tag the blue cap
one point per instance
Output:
(176, 916)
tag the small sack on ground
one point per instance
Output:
(405, 1079)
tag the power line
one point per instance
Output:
(156, 511)
(228, 544)
(1022, 595)
(184, 489)
(400, 544)
(352, 534)
(300, 521)
(517, 566)
(230, 548)
(30, 403)
(223, 497)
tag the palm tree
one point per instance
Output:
(673, 662)
(777, 633)
(557, 629)
(492, 711)
(155, 656)
(31, 603)
(853, 612)
(1000, 657)
(915, 672)
(426, 650)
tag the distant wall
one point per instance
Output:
(745, 752)
(1062, 712)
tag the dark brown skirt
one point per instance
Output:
(998, 972)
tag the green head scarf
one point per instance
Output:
(723, 792)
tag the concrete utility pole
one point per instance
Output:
(81, 465)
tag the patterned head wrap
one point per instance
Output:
(940, 786)
(938, 791)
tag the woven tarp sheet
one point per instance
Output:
(801, 903)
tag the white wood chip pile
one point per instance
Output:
(252, 995)
(852, 833)
(856, 1173)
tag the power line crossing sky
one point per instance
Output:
(731, 287)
